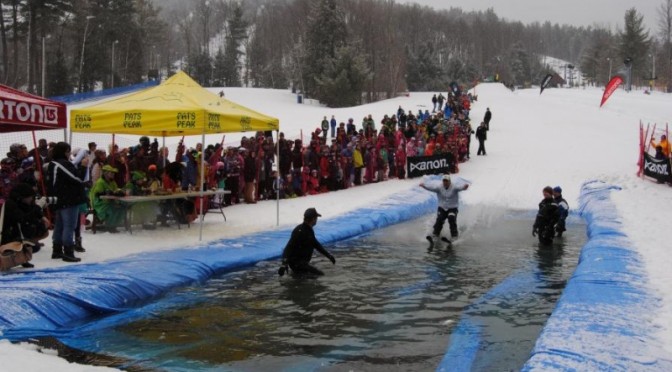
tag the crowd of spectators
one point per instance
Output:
(335, 156)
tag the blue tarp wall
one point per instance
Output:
(602, 322)
(77, 97)
(54, 301)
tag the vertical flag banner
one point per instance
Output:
(545, 81)
(611, 88)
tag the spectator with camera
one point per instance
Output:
(68, 188)
(24, 219)
(109, 212)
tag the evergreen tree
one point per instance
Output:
(237, 32)
(58, 82)
(520, 64)
(342, 82)
(424, 72)
(635, 43)
(199, 67)
(220, 69)
(326, 33)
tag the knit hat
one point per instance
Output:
(109, 168)
(557, 189)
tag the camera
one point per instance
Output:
(50, 199)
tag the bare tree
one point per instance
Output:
(665, 30)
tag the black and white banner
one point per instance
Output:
(658, 169)
(417, 166)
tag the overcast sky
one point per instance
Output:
(608, 13)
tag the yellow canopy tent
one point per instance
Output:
(178, 107)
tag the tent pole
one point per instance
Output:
(277, 179)
(200, 232)
(38, 162)
(163, 146)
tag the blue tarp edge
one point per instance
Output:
(49, 302)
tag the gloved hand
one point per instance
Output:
(41, 202)
(284, 268)
(332, 259)
(534, 231)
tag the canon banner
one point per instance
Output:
(417, 166)
(658, 169)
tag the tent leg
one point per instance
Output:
(277, 180)
(200, 232)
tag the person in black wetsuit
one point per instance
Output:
(299, 249)
(547, 217)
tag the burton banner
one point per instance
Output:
(417, 166)
(658, 169)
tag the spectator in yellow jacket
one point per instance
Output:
(358, 163)
(664, 144)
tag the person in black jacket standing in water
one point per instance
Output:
(299, 249)
(547, 217)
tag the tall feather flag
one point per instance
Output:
(611, 88)
(545, 81)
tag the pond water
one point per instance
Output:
(389, 303)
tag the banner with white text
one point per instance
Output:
(417, 166)
(657, 168)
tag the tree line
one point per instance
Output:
(342, 52)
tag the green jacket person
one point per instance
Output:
(108, 211)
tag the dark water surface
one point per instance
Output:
(389, 304)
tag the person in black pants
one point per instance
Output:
(487, 118)
(299, 249)
(481, 135)
(547, 217)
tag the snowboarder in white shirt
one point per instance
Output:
(449, 199)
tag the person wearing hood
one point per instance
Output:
(299, 249)
(563, 210)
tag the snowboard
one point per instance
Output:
(433, 244)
